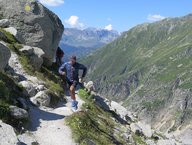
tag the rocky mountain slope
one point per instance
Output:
(35, 110)
(148, 69)
(83, 42)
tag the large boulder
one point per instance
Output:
(7, 135)
(38, 26)
(35, 54)
(4, 56)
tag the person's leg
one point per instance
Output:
(72, 92)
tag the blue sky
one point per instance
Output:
(120, 15)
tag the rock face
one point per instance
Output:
(35, 54)
(4, 56)
(38, 27)
(7, 135)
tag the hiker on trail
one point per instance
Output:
(71, 71)
(59, 56)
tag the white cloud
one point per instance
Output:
(155, 17)
(109, 27)
(73, 21)
(52, 2)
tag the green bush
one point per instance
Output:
(4, 112)
(153, 105)
(3, 90)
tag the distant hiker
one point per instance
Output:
(71, 71)
(59, 55)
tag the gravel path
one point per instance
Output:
(47, 125)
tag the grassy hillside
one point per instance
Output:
(149, 68)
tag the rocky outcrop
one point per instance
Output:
(41, 99)
(141, 128)
(89, 86)
(4, 56)
(4, 23)
(39, 26)
(29, 89)
(35, 54)
(7, 135)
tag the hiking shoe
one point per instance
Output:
(74, 105)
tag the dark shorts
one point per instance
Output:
(70, 83)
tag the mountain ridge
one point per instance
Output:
(83, 42)
(148, 68)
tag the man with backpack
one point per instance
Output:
(71, 71)
(59, 56)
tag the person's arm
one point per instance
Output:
(61, 69)
(84, 68)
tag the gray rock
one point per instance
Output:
(4, 23)
(15, 33)
(122, 111)
(41, 99)
(27, 138)
(18, 113)
(136, 129)
(39, 27)
(150, 142)
(7, 135)
(126, 136)
(142, 128)
(35, 54)
(131, 140)
(167, 142)
(4, 56)
(40, 88)
(184, 135)
(35, 80)
(146, 129)
(90, 86)
(29, 89)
